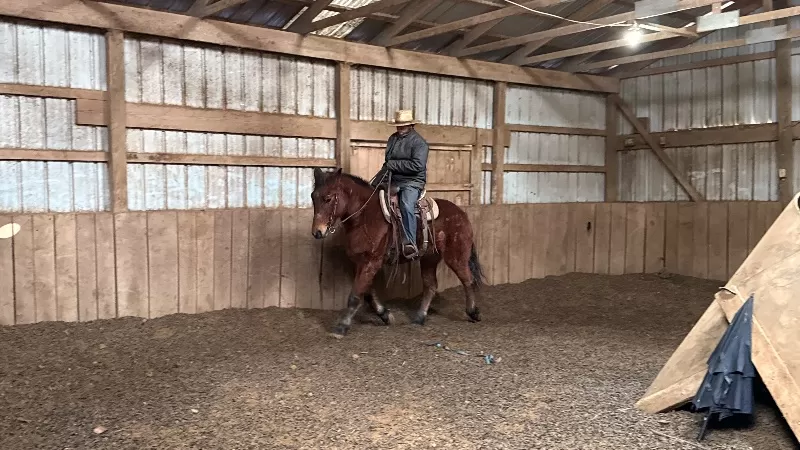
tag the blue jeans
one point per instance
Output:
(407, 198)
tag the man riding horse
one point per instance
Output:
(406, 162)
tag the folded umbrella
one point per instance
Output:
(727, 388)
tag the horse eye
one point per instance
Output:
(327, 199)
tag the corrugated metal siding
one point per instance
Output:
(50, 56)
(558, 108)
(226, 78)
(165, 186)
(715, 96)
(377, 93)
(551, 187)
(554, 107)
(718, 172)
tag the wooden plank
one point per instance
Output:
(227, 160)
(502, 244)
(516, 253)
(30, 90)
(115, 110)
(635, 226)
(569, 237)
(700, 137)
(351, 14)
(307, 267)
(343, 123)
(104, 235)
(66, 254)
(24, 154)
(602, 238)
(659, 152)
(162, 250)
(555, 259)
(564, 168)
(671, 237)
(24, 279)
(475, 171)
(784, 151)
(44, 267)
(700, 240)
(412, 11)
(240, 236)
(223, 227)
(257, 259)
(685, 253)
(498, 145)
(363, 130)
(203, 8)
(718, 241)
(86, 248)
(290, 265)
(650, 71)
(273, 256)
(176, 26)
(556, 130)
(737, 251)
(488, 226)
(304, 20)
(182, 118)
(655, 237)
(204, 227)
(6, 276)
(187, 262)
(133, 289)
(619, 222)
(470, 37)
(611, 157)
(585, 229)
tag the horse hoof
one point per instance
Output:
(474, 315)
(419, 319)
(339, 331)
(387, 317)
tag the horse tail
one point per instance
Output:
(478, 279)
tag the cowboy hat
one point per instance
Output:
(403, 117)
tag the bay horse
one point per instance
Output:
(368, 236)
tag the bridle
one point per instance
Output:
(331, 229)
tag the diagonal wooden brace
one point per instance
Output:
(659, 152)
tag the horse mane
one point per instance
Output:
(358, 180)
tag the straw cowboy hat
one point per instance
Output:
(403, 117)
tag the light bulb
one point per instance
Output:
(634, 35)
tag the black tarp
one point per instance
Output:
(727, 388)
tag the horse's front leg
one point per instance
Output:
(362, 284)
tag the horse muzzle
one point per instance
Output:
(320, 232)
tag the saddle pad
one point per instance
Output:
(431, 214)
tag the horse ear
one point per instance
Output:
(338, 171)
(319, 176)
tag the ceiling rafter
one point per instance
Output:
(304, 20)
(471, 36)
(585, 13)
(745, 19)
(204, 8)
(472, 21)
(357, 13)
(412, 11)
(575, 28)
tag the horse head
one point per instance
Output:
(329, 200)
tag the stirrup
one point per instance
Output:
(414, 251)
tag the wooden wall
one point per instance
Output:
(80, 267)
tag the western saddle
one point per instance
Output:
(426, 207)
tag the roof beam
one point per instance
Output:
(412, 11)
(792, 34)
(303, 22)
(471, 36)
(203, 8)
(574, 28)
(354, 14)
(190, 29)
(584, 13)
(471, 21)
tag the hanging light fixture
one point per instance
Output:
(634, 35)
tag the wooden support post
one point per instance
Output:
(343, 148)
(784, 152)
(612, 160)
(117, 117)
(653, 144)
(476, 170)
(498, 141)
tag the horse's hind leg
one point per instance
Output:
(429, 284)
(383, 312)
(459, 264)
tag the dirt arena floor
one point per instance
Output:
(573, 354)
